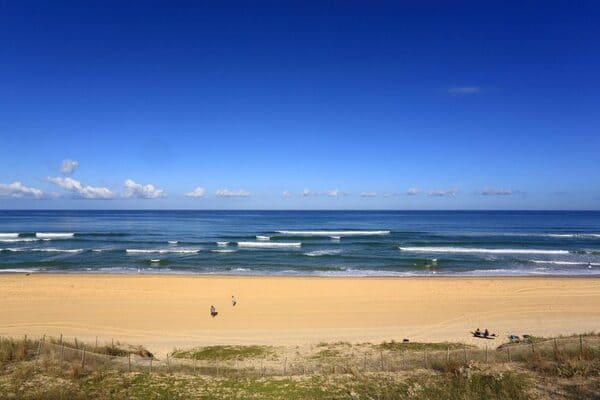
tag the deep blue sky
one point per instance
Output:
(474, 104)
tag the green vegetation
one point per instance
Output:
(573, 372)
(224, 353)
(326, 353)
(416, 346)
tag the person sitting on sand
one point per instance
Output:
(477, 332)
(233, 301)
(486, 333)
(213, 311)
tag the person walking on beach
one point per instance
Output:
(233, 301)
(213, 311)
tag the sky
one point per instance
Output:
(300, 105)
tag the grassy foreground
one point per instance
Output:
(553, 374)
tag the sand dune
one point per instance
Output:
(164, 312)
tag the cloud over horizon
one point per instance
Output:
(68, 166)
(496, 192)
(443, 192)
(139, 191)
(197, 192)
(232, 193)
(368, 194)
(18, 190)
(78, 190)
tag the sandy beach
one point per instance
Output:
(163, 312)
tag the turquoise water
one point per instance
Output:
(329, 243)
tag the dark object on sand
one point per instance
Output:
(233, 301)
(213, 311)
(480, 335)
(513, 338)
(404, 340)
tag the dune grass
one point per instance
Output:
(417, 346)
(536, 375)
(224, 353)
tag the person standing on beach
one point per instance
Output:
(233, 301)
(213, 311)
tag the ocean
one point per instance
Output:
(321, 243)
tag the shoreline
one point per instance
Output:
(438, 275)
(163, 311)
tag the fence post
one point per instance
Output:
(532, 347)
(37, 353)
(285, 366)
(365, 362)
(465, 351)
(96, 346)
(426, 360)
(447, 354)
(62, 352)
(195, 366)
(261, 367)
(168, 364)
(486, 353)
(150, 367)
(580, 344)
(555, 349)
(129, 362)
(83, 358)
(381, 356)
(508, 353)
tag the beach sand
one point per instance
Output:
(167, 311)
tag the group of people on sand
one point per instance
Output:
(485, 333)
(213, 309)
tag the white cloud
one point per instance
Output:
(81, 191)
(464, 90)
(496, 192)
(368, 194)
(232, 193)
(68, 166)
(336, 193)
(308, 193)
(17, 189)
(198, 192)
(286, 194)
(443, 192)
(139, 191)
(413, 191)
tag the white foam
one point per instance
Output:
(54, 250)
(269, 244)
(9, 235)
(155, 260)
(173, 241)
(335, 238)
(162, 251)
(334, 233)
(478, 250)
(263, 238)
(565, 262)
(12, 249)
(52, 235)
(222, 244)
(318, 253)
(223, 251)
(18, 240)
(17, 270)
